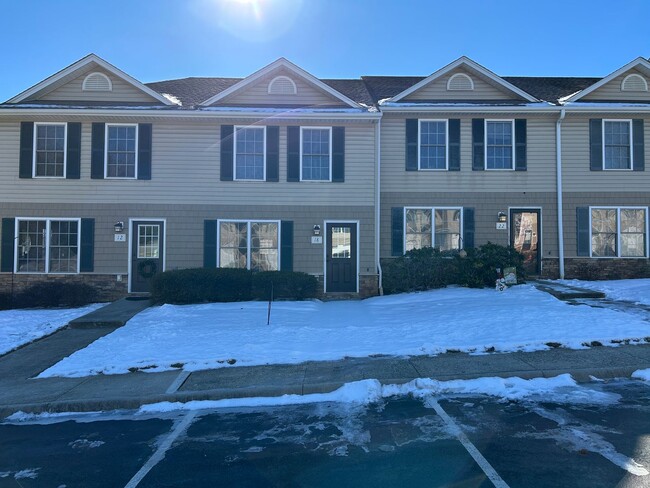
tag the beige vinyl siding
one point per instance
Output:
(184, 229)
(186, 170)
(612, 91)
(437, 90)
(576, 173)
(122, 91)
(257, 94)
(539, 177)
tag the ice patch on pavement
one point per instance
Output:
(642, 374)
(85, 444)
(31, 474)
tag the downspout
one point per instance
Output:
(378, 204)
(559, 191)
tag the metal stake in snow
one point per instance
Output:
(268, 315)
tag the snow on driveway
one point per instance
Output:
(19, 327)
(637, 291)
(208, 336)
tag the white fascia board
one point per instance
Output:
(281, 62)
(536, 108)
(632, 64)
(91, 58)
(464, 60)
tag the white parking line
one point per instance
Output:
(176, 384)
(162, 449)
(487, 468)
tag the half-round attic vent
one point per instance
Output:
(460, 81)
(635, 83)
(282, 85)
(97, 82)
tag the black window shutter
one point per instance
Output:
(97, 152)
(26, 149)
(7, 248)
(638, 156)
(293, 153)
(209, 243)
(454, 144)
(596, 144)
(397, 231)
(520, 145)
(144, 151)
(87, 252)
(73, 156)
(478, 141)
(338, 154)
(273, 153)
(582, 227)
(468, 228)
(412, 144)
(286, 245)
(227, 152)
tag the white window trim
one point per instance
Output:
(84, 86)
(248, 238)
(65, 150)
(460, 75)
(629, 121)
(48, 221)
(282, 77)
(433, 225)
(618, 232)
(446, 121)
(137, 135)
(645, 82)
(234, 152)
(330, 159)
(485, 145)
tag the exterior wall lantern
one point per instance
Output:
(317, 230)
(502, 217)
(119, 227)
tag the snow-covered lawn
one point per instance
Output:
(221, 335)
(18, 327)
(637, 291)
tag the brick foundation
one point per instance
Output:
(107, 286)
(606, 269)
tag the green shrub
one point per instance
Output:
(200, 285)
(478, 269)
(290, 285)
(5, 301)
(55, 294)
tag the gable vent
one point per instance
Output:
(282, 85)
(460, 81)
(634, 82)
(97, 82)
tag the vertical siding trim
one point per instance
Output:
(26, 149)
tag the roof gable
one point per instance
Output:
(492, 84)
(67, 85)
(254, 89)
(609, 87)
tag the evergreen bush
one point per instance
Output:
(290, 285)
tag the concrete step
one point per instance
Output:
(566, 292)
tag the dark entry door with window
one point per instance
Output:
(525, 237)
(341, 257)
(146, 253)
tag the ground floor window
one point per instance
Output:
(47, 246)
(619, 232)
(249, 244)
(433, 227)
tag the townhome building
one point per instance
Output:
(109, 181)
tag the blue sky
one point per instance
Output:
(165, 39)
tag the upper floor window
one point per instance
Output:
(316, 153)
(433, 144)
(49, 150)
(499, 148)
(250, 155)
(250, 245)
(619, 232)
(47, 246)
(121, 151)
(432, 227)
(617, 144)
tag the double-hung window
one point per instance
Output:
(316, 153)
(433, 227)
(433, 145)
(121, 151)
(47, 245)
(619, 232)
(49, 150)
(250, 153)
(499, 144)
(617, 144)
(249, 244)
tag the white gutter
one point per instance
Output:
(560, 217)
(378, 205)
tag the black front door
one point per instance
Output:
(146, 253)
(525, 237)
(341, 257)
